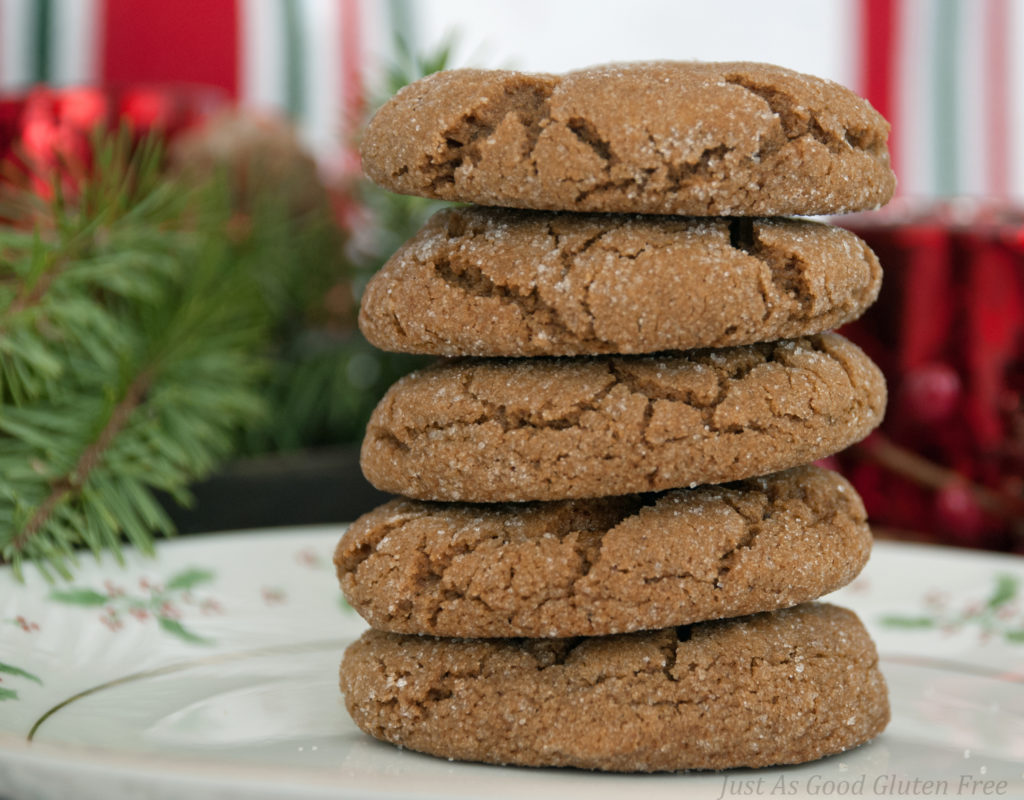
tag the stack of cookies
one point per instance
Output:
(610, 536)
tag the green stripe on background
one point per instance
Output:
(400, 15)
(40, 71)
(294, 60)
(946, 60)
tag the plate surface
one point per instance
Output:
(210, 672)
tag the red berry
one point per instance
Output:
(930, 393)
(147, 108)
(83, 108)
(958, 513)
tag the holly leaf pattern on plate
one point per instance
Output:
(174, 627)
(997, 617)
(17, 672)
(188, 579)
(165, 602)
(1005, 591)
(80, 597)
(8, 669)
(897, 621)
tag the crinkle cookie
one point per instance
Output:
(498, 282)
(690, 138)
(608, 565)
(781, 687)
(493, 430)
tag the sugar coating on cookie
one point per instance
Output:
(493, 430)
(603, 566)
(781, 687)
(691, 138)
(498, 282)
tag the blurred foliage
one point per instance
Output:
(165, 311)
(327, 378)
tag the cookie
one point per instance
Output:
(493, 430)
(688, 138)
(781, 687)
(497, 282)
(603, 566)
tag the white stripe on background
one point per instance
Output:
(847, 37)
(263, 83)
(378, 31)
(15, 43)
(74, 44)
(915, 142)
(261, 55)
(1015, 89)
(971, 102)
(569, 34)
(321, 124)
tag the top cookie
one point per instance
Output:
(689, 138)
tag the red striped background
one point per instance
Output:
(194, 41)
(878, 63)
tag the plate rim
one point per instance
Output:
(182, 770)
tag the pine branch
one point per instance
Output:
(31, 294)
(147, 322)
(44, 302)
(87, 462)
(134, 343)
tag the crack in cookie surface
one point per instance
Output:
(513, 430)
(608, 565)
(769, 142)
(490, 282)
(781, 687)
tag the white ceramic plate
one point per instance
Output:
(210, 672)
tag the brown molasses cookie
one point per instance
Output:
(603, 566)
(781, 687)
(493, 430)
(691, 138)
(498, 282)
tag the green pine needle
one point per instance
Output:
(133, 339)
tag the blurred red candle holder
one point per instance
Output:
(947, 464)
(47, 131)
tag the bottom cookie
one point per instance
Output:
(782, 687)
